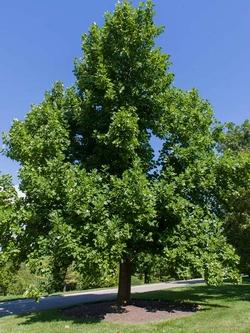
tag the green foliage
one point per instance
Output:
(236, 138)
(234, 142)
(189, 206)
(24, 282)
(93, 196)
(42, 136)
(8, 233)
(33, 292)
(8, 198)
(6, 277)
(123, 79)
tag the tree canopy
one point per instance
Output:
(95, 194)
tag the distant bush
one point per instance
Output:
(6, 278)
(24, 280)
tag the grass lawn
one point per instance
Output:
(224, 309)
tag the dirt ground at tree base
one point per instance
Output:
(138, 311)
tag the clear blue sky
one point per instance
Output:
(208, 42)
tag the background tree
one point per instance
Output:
(234, 143)
(7, 232)
(188, 206)
(95, 196)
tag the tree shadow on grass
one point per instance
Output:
(205, 297)
(203, 294)
(53, 316)
(85, 314)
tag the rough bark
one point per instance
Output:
(124, 289)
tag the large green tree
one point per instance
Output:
(95, 194)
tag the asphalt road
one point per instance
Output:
(24, 306)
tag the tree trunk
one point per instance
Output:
(65, 287)
(5, 291)
(124, 289)
(146, 277)
(59, 274)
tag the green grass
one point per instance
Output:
(225, 309)
(10, 298)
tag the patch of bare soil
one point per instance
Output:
(138, 311)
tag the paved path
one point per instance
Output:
(53, 302)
